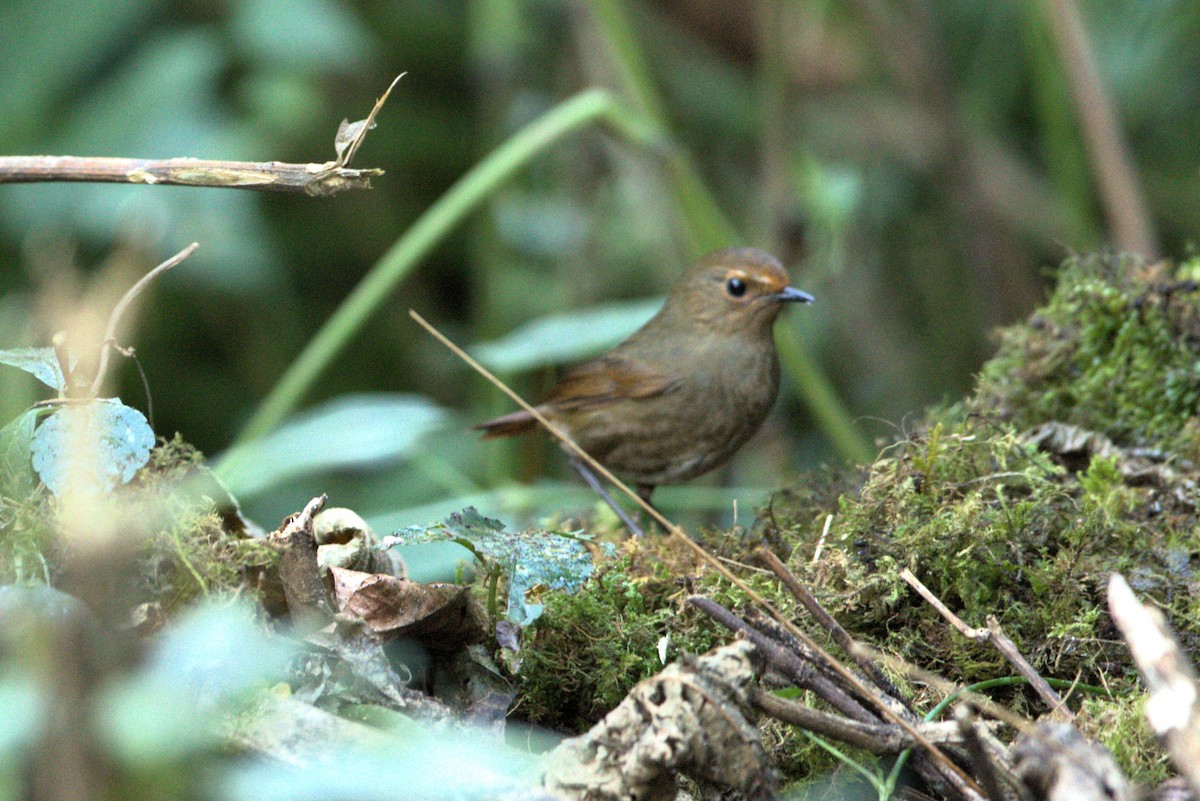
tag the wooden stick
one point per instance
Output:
(317, 180)
(996, 636)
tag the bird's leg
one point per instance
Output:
(595, 484)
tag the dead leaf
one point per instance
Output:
(442, 616)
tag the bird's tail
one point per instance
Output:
(517, 422)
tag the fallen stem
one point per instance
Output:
(317, 180)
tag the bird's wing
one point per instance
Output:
(597, 383)
(608, 378)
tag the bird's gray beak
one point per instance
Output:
(793, 295)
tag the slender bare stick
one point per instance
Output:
(1007, 647)
(827, 621)
(996, 636)
(878, 738)
(954, 774)
(804, 673)
(979, 635)
(114, 319)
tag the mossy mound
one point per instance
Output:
(1075, 457)
(1114, 351)
(193, 542)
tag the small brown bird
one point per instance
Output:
(686, 390)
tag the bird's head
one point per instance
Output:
(736, 290)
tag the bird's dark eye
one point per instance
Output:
(735, 287)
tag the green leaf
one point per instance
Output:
(351, 431)
(567, 337)
(319, 34)
(424, 765)
(16, 441)
(41, 363)
(197, 671)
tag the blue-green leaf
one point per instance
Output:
(97, 444)
(529, 559)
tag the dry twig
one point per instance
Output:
(996, 636)
(317, 180)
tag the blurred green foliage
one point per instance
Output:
(916, 166)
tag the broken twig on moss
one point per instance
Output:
(1000, 641)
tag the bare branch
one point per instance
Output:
(979, 635)
(1007, 647)
(839, 634)
(318, 180)
(996, 636)
(878, 738)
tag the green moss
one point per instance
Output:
(26, 541)
(996, 521)
(192, 552)
(590, 648)
(1114, 351)
(1120, 723)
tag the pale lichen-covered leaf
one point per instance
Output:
(41, 363)
(95, 446)
(529, 559)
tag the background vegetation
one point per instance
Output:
(918, 166)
